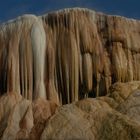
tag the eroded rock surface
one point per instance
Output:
(102, 118)
(63, 57)
(19, 117)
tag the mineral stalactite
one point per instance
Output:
(68, 55)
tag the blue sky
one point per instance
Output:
(12, 8)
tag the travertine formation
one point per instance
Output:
(112, 117)
(61, 58)
(23, 119)
(92, 119)
(68, 55)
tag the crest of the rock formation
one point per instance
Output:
(63, 57)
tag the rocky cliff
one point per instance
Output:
(63, 57)
(67, 55)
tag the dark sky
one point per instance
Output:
(12, 8)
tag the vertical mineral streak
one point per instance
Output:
(38, 39)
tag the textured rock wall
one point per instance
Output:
(115, 116)
(68, 55)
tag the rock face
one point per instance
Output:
(102, 118)
(23, 119)
(63, 57)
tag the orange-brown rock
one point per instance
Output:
(7, 103)
(64, 58)
(121, 91)
(101, 118)
(91, 119)
(19, 119)
(19, 116)
(42, 111)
